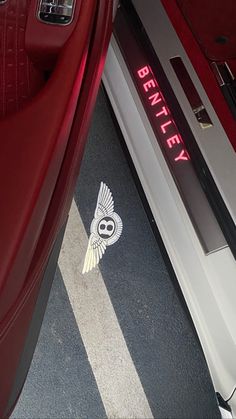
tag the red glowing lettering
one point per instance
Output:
(148, 85)
(163, 112)
(163, 126)
(143, 72)
(173, 140)
(182, 156)
(155, 98)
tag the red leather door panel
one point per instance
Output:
(41, 149)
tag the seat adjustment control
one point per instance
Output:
(57, 12)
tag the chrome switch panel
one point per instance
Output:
(57, 12)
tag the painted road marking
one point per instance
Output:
(117, 379)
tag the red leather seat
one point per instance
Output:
(199, 25)
(213, 24)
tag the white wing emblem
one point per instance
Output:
(105, 229)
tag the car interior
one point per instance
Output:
(207, 31)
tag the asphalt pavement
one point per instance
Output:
(117, 341)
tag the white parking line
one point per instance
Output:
(117, 379)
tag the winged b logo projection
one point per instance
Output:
(105, 229)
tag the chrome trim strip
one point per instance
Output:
(192, 95)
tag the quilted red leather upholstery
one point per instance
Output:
(19, 79)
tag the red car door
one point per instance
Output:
(51, 59)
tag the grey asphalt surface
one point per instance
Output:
(157, 330)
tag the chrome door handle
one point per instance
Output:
(57, 12)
